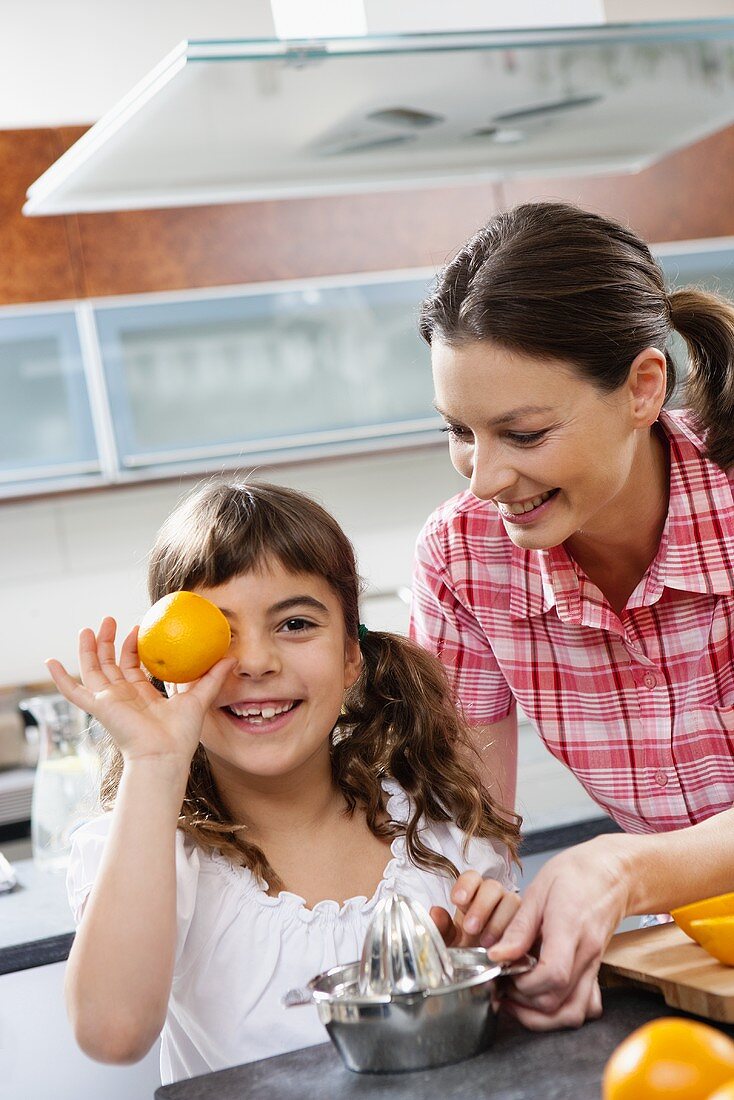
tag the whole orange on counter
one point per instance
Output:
(669, 1059)
(720, 906)
(182, 636)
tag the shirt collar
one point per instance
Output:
(696, 552)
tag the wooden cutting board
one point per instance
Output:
(663, 958)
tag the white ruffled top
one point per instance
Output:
(239, 950)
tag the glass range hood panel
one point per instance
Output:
(235, 121)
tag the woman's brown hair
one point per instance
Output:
(560, 283)
(398, 719)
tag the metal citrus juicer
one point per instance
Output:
(410, 1002)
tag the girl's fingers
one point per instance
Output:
(523, 930)
(68, 687)
(130, 659)
(89, 667)
(498, 920)
(208, 686)
(442, 919)
(482, 907)
(465, 888)
(106, 650)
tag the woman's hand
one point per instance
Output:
(142, 722)
(483, 910)
(570, 911)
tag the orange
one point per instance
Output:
(182, 636)
(726, 1092)
(716, 935)
(720, 906)
(669, 1059)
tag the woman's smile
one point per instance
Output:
(526, 511)
(553, 453)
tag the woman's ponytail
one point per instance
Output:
(399, 721)
(706, 323)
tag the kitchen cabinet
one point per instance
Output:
(46, 429)
(120, 390)
(151, 386)
(291, 370)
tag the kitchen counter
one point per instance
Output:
(522, 1065)
(36, 925)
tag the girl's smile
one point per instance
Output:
(261, 717)
(283, 697)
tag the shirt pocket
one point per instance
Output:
(708, 730)
(715, 722)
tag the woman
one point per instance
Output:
(588, 573)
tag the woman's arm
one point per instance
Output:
(120, 968)
(578, 898)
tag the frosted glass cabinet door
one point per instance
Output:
(290, 371)
(697, 265)
(703, 266)
(46, 428)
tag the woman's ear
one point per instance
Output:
(646, 386)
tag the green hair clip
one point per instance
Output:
(362, 632)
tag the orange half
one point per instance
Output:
(716, 935)
(720, 906)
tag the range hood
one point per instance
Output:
(231, 121)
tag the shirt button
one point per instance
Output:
(661, 778)
(650, 680)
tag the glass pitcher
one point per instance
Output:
(67, 777)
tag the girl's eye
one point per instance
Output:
(526, 439)
(292, 626)
(458, 433)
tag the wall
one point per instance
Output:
(67, 562)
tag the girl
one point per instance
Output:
(258, 814)
(588, 573)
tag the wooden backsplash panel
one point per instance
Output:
(685, 196)
(36, 254)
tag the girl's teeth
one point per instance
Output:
(258, 714)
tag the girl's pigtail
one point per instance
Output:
(399, 721)
(706, 323)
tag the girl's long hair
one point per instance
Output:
(560, 283)
(398, 719)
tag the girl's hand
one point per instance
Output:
(483, 910)
(142, 722)
(571, 909)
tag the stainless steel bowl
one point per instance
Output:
(392, 1033)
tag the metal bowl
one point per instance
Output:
(392, 1033)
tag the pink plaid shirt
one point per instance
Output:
(640, 708)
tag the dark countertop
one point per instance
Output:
(36, 923)
(522, 1065)
(37, 928)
